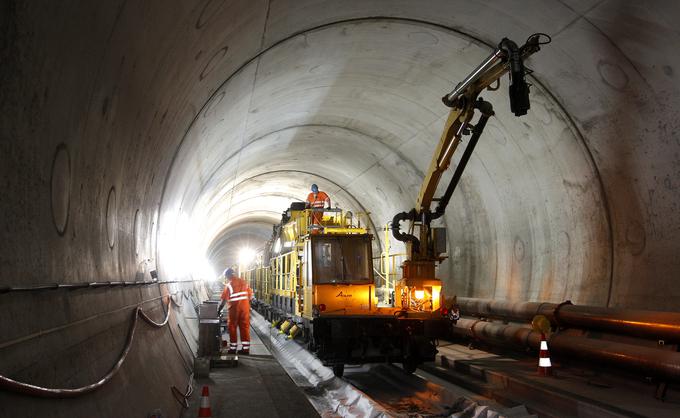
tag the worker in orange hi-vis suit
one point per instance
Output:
(317, 200)
(237, 296)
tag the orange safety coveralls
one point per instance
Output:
(237, 295)
(319, 201)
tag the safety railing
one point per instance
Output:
(304, 223)
(388, 263)
(388, 269)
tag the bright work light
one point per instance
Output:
(246, 256)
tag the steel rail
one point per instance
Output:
(61, 393)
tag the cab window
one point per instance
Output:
(341, 259)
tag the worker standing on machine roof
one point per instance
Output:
(237, 296)
(317, 200)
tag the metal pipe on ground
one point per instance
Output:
(647, 361)
(644, 324)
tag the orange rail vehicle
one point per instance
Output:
(317, 280)
(316, 283)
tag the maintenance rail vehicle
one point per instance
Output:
(315, 276)
(315, 282)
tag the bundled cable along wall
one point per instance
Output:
(43, 392)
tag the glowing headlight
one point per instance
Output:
(420, 294)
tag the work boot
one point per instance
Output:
(244, 351)
(231, 352)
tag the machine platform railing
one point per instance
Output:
(388, 263)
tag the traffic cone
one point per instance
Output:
(204, 411)
(544, 364)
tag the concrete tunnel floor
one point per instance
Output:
(153, 137)
(257, 387)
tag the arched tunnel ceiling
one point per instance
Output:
(168, 135)
(358, 103)
(207, 118)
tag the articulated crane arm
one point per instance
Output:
(425, 249)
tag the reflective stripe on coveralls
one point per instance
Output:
(237, 293)
(318, 202)
(238, 296)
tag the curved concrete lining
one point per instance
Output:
(342, 100)
(137, 136)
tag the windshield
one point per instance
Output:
(342, 259)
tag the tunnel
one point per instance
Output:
(149, 143)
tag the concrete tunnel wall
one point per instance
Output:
(140, 135)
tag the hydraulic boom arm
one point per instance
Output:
(463, 101)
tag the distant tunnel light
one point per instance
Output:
(420, 294)
(205, 271)
(246, 256)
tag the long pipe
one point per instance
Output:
(645, 324)
(648, 361)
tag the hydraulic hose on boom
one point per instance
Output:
(425, 249)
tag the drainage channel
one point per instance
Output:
(371, 391)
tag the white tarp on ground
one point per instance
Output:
(329, 395)
(465, 408)
(334, 397)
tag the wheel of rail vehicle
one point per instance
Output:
(410, 365)
(339, 369)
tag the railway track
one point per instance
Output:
(375, 390)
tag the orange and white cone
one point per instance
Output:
(544, 364)
(204, 411)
